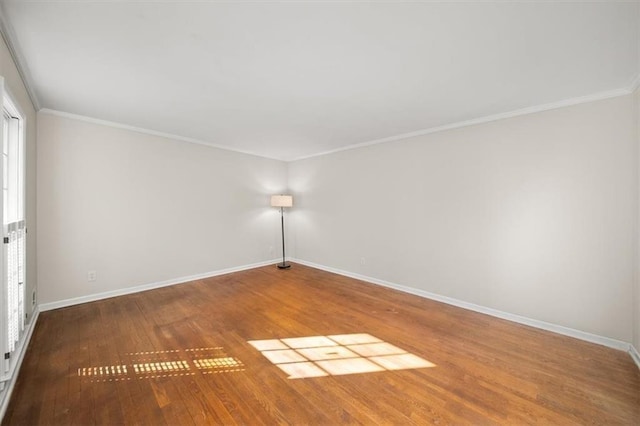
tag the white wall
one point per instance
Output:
(16, 88)
(140, 209)
(533, 215)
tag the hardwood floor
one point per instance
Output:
(187, 354)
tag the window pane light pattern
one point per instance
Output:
(165, 363)
(318, 356)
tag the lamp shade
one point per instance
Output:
(281, 201)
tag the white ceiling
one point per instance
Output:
(289, 79)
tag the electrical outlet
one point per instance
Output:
(363, 260)
(91, 276)
(33, 298)
(271, 250)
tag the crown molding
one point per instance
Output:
(6, 30)
(148, 132)
(629, 89)
(489, 118)
(632, 87)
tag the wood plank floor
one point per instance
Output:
(182, 355)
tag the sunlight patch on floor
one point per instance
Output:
(335, 355)
(165, 363)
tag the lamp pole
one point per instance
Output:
(283, 265)
(282, 201)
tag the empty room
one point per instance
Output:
(320, 212)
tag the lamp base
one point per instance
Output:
(284, 265)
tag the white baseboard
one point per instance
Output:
(5, 395)
(566, 331)
(136, 289)
(634, 355)
(582, 335)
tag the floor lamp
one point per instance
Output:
(282, 201)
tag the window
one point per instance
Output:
(14, 232)
(11, 194)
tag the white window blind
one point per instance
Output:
(12, 173)
(15, 246)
